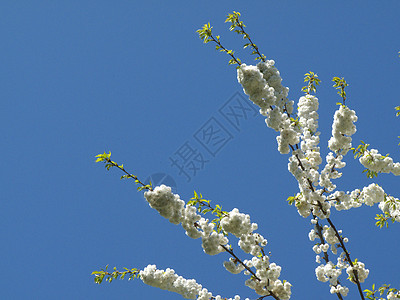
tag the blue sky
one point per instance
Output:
(80, 78)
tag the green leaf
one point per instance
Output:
(398, 111)
(96, 272)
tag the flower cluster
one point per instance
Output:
(339, 290)
(308, 119)
(344, 201)
(330, 171)
(359, 267)
(372, 194)
(391, 207)
(239, 225)
(170, 206)
(340, 143)
(393, 296)
(328, 272)
(342, 130)
(166, 203)
(262, 83)
(233, 266)
(268, 274)
(374, 161)
(304, 163)
(369, 195)
(170, 281)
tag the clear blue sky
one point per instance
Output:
(82, 77)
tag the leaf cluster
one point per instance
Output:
(205, 33)
(292, 199)
(145, 187)
(382, 219)
(370, 174)
(104, 274)
(204, 207)
(360, 151)
(370, 294)
(235, 22)
(234, 60)
(312, 81)
(238, 26)
(340, 85)
(295, 121)
(106, 158)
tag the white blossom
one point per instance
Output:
(169, 205)
(339, 290)
(233, 267)
(342, 130)
(362, 272)
(168, 280)
(237, 223)
(374, 161)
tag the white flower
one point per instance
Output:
(374, 161)
(233, 267)
(342, 129)
(362, 273)
(168, 280)
(169, 205)
(237, 223)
